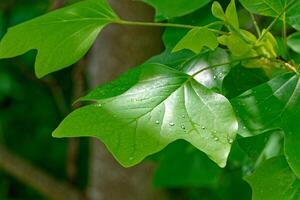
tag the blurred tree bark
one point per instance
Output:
(116, 50)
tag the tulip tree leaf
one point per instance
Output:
(274, 180)
(196, 39)
(61, 37)
(210, 78)
(170, 9)
(274, 105)
(163, 106)
(274, 8)
(231, 14)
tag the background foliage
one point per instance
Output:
(259, 161)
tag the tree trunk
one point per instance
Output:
(117, 49)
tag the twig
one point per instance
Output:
(36, 178)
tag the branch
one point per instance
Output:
(36, 178)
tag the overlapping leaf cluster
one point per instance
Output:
(217, 84)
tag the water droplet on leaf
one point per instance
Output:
(230, 140)
(171, 124)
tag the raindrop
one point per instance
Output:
(215, 77)
(171, 124)
(183, 126)
(216, 138)
(183, 116)
(99, 105)
(203, 127)
(130, 158)
(230, 140)
(156, 122)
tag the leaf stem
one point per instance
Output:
(258, 31)
(171, 25)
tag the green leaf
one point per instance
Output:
(218, 11)
(182, 165)
(231, 15)
(274, 180)
(163, 106)
(171, 9)
(172, 36)
(237, 46)
(61, 37)
(196, 39)
(294, 42)
(274, 105)
(274, 8)
(241, 79)
(210, 78)
(262, 147)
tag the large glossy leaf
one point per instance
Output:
(163, 106)
(274, 8)
(210, 78)
(169, 9)
(274, 180)
(61, 37)
(274, 105)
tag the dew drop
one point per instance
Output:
(183, 116)
(130, 158)
(156, 122)
(99, 105)
(230, 140)
(216, 138)
(171, 124)
(183, 126)
(215, 77)
(203, 127)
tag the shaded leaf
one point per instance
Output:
(182, 165)
(294, 42)
(274, 105)
(61, 37)
(274, 8)
(274, 180)
(165, 105)
(262, 147)
(171, 9)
